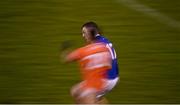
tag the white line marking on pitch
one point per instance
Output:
(133, 4)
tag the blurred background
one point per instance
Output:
(145, 34)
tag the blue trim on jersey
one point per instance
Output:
(114, 72)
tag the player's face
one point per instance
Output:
(86, 35)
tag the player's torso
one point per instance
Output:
(95, 61)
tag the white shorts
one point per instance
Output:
(109, 85)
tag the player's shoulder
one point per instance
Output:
(92, 49)
(103, 39)
(95, 47)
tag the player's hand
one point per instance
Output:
(65, 45)
(63, 56)
(65, 49)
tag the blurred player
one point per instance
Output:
(96, 61)
(113, 73)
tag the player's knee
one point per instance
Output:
(102, 100)
(74, 91)
(89, 99)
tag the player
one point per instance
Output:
(96, 63)
(113, 73)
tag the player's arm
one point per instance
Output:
(73, 56)
(65, 48)
(66, 54)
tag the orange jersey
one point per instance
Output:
(94, 60)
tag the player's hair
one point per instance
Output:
(92, 27)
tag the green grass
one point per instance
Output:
(31, 32)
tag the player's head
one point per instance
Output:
(89, 31)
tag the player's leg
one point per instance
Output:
(102, 100)
(88, 96)
(89, 99)
(82, 94)
(109, 85)
(76, 91)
